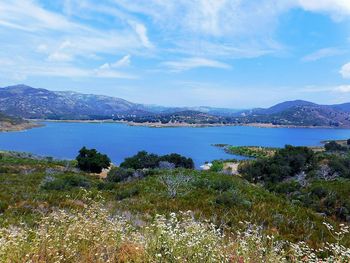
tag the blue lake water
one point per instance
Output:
(63, 140)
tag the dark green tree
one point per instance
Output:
(333, 146)
(90, 160)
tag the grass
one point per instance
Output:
(93, 235)
(28, 196)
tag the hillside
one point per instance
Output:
(27, 102)
(189, 117)
(299, 113)
(41, 198)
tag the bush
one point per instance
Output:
(217, 166)
(147, 160)
(287, 187)
(178, 160)
(231, 199)
(333, 146)
(3, 206)
(141, 160)
(65, 182)
(340, 165)
(127, 193)
(105, 186)
(222, 184)
(92, 161)
(286, 163)
(117, 175)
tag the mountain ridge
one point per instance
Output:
(31, 103)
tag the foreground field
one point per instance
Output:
(52, 212)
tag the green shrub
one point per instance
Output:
(231, 199)
(287, 187)
(105, 186)
(333, 146)
(92, 161)
(3, 206)
(222, 184)
(117, 174)
(286, 162)
(141, 160)
(65, 182)
(147, 160)
(217, 166)
(127, 193)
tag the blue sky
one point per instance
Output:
(226, 53)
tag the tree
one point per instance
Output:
(92, 161)
(141, 160)
(333, 146)
(348, 141)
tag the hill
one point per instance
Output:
(27, 102)
(299, 113)
(140, 216)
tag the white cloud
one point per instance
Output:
(123, 62)
(322, 53)
(60, 57)
(141, 32)
(345, 71)
(337, 8)
(195, 62)
(342, 89)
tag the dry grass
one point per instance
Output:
(94, 235)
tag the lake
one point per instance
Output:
(63, 140)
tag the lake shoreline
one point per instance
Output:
(188, 125)
(8, 127)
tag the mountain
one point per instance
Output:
(31, 103)
(300, 113)
(342, 107)
(277, 108)
(28, 102)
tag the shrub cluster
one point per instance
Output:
(90, 160)
(65, 182)
(147, 160)
(286, 162)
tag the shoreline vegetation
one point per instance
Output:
(186, 125)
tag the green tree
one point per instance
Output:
(90, 160)
(333, 146)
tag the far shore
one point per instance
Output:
(184, 125)
(9, 127)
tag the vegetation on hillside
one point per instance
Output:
(319, 180)
(117, 218)
(248, 151)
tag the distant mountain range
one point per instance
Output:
(31, 103)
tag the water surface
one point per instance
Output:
(63, 140)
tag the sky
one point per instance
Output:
(223, 53)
